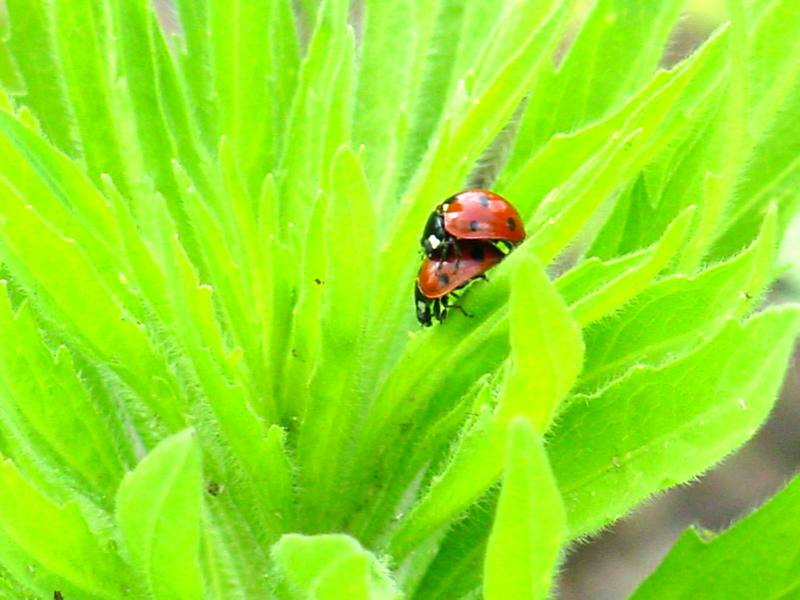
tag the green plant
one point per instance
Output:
(211, 380)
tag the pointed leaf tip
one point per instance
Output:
(158, 511)
(546, 347)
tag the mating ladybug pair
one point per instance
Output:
(465, 236)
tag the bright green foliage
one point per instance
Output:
(329, 567)
(212, 383)
(32, 555)
(644, 431)
(546, 356)
(756, 558)
(158, 512)
(678, 312)
(546, 349)
(529, 525)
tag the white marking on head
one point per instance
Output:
(433, 241)
(421, 306)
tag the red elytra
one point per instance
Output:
(437, 279)
(482, 215)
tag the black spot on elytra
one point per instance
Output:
(444, 279)
(474, 226)
(477, 253)
(512, 224)
(484, 201)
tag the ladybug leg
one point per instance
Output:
(456, 306)
(423, 306)
(440, 309)
(461, 309)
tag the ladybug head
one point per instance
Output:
(434, 238)
(423, 304)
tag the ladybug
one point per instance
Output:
(439, 278)
(471, 215)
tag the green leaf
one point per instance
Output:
(240, 64)
(33, 48)
(616, 51)
(770, 169)
(158, 512)
(81, 38)
(48, 404)
(723, 164)
(194, 59)
(238, 220)
(303, 334)
(280, 481)
(152, 105)
(755, 558)
(647, 131)
(546, 355)
(59, 189)
(546, 349)
(608, 298)
(471, 128)
(563, 155)
(772, 70)
(529, 524)
(139, 95)
(436, 83)
(475, 465)
(10, 77)
(503, 27)
(658, 427)
(678, 313)
(28, 244)
(456, 569)
(285, 63)
(350, 230)
(593, 274)
(313, 133)
(222, 258)
(330, 567)
(345, 302)
(395, 39)
(416, 394)
(188, 309)
(173, 103)
(47, 546)
(254, 62)
(668, 184)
